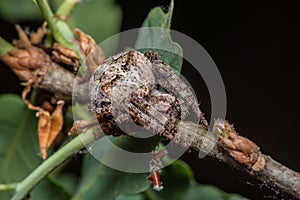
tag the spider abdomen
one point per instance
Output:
(117, 78)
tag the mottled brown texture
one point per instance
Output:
(240, 148)
(209, 143)
(174, 85)
(28, 62)
(268, 171)
(60, 82)
(64, 55)
(279, 176)
(125, 85)
(93, 53)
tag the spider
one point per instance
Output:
(125, 87)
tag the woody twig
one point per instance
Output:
(223, 143)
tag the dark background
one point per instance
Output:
(256, 48)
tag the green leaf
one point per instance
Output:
(18, 133)
(159, 38)
(19, 10)
(101, 181)
(5, 47)
(49, 189)
(67, 181)
(179, 184)
(99, 18)
(19, 148)
(131, 197)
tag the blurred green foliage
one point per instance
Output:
(159, 39)
(99, 18)
(19, 149)
(19, 143)
(15, 11)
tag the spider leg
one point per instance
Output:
(173, 84)
(151, 124)
(146, 114)
(168, 103)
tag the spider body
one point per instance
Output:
(124, 87)
(119, 76)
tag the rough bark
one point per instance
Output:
(60, 82)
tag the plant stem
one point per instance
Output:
(60, 30)
(4, 46)
(8, 186)
(66, 7)
(46, 12)
(62, 155)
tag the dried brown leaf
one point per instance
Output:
(93, 53)
(36, 38)
(56, 122)
(43, 131)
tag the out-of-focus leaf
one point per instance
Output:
(131, 197)
(49, 189)
(68, 181)
(19, 10)
(98, 18)
(18, 146)
(19, 149)
(159, 38)
(101, 181)
(179, 184)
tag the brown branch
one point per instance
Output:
(262, 167)
(60, 82)
(223, 144)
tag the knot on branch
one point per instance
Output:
(240, 148)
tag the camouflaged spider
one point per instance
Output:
(124, 87)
